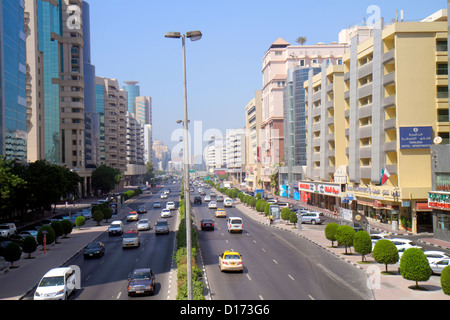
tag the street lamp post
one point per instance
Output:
(194, 36)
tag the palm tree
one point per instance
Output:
(301, 40)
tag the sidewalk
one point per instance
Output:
(17, 282)
(384, 287)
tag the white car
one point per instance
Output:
(207, 198)
(438, 266)
(165, 213)
(404, 244)
(143, 224)
(164, 196)
(7, 229)
(434, 256)
(133, 216)
(170, 205)
(212, 205)
(57, 284)
(235, 224)
(228, 202)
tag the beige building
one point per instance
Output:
(253, 128)
(395, 104)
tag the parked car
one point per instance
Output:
(434, 256)
(94, 249)
(26, 233)
(404, 244)
(116, 228)
(197, 200)
(165, 213)
(313, 217)
(143, 224)
(57, 284)
(7, 229)
(161, 226)
(212, 205)
(235, 224)
(141, 281)
(87, 213)
(231, 261)
(207, 224)
(131, 239)
(438, 266)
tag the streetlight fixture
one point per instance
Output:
(194, 36)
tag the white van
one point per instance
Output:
(228, 202)
(57, 284)
(235, 224)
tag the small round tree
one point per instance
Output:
(285, 214)
(12, 253)
(97, 216)
(385, 252)
(293, 217)
(29, 245)
(330, 232)
(252, 202)
(267, 209)
(445, 280)
(80, 221)
(362, 244)
(56, 225)
(50, 236)
(107, 213)
(344, 236)
(67, 227)
(414, 266)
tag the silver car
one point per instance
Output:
(161, 226)
(143, 224)
(438, 266)
(313, 217)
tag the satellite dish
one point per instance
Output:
(437, 140)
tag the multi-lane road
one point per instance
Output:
(277, 265)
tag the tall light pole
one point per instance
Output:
(194, 36)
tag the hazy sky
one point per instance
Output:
(224, 67)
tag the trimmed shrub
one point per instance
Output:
(284, 214)
(362, 244)
(330, 232)
(385, 252)
(252, 202)
(50, 238)
(57, 227)
(29, 245)
(344, 236)
(107, 213)
(414, 266)
(293, 218)
(67, 227)
(97, 216)
(267, 209)
(12, 253)
(80, 221)
(445, 280)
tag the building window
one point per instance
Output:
(442, 69)
(442, 92)
(441, 45)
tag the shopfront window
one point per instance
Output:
(443, 221)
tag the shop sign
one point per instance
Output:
(439, 200)
(416, 137)
(325, 189)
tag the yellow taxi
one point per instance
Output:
(230, 261)
(221, 213)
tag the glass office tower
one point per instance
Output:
(13, 102)
(133, 91)
(49, 21)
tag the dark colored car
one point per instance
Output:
(141, 281)
(207, 224)
(142, 209)
(197, 200)
(94, 249)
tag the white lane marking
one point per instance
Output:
(311, 297)
(261, 297)
(276, 262)
(118, 296)
(248, 277)
(291, 277)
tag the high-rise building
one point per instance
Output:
(133, 91)
(252, 144)
(13, 70)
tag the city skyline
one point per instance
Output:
(231, 53)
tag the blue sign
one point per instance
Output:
(416, 137)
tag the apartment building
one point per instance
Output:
(112, 106)
(252, 143)
(395, 97)
(235, 146)
(135, 171)
(279, 58)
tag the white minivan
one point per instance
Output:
(235, 224)
(57, 284)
